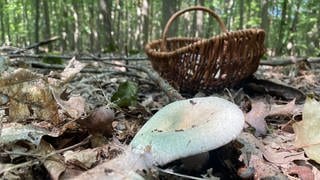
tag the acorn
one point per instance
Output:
(99, 122)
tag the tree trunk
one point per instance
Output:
(47, 29)
(106, 7)
(64, 28)
(212, 27)
(194, 21)
(94, 41)
(248, 2)
(145, 20)
(226, 12)
(3, 40)
(265, 19)
(36, 23)
(317, 38)
(29, 26)
(127, 40)
(199, 14)
(281, 28)
(119, 42)
(76, 25)
(169, 7)
(241, 13)
(293, 29)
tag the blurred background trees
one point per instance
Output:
(126, 26)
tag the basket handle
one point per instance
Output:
(177, 14)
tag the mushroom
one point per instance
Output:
(180, 129)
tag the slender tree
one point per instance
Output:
(282, 27)
(2, 29)
(106, 7)
(145, 20)
(169, 7)
(241, 13)
(36, 23)
(47, 27)
(265, 19)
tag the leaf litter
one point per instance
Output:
(51, 137)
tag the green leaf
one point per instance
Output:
(126, 95)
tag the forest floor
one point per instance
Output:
(46, 137)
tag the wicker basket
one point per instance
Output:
(193, 64)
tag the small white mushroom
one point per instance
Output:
(180, 129)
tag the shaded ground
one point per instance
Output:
(227, 162)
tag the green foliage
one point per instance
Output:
(133, 51)
(126, 95)
(111, 48)
(52, 60)
(127, 23)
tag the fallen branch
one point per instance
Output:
(85, 58)
(288, 61)
(173, 94)
(47, 41)
(268, 62)
(165, 86)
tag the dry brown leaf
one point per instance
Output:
(303, 172)
(73, 68)
(85, 157)
(14, 132)
(284, 157)
(75, 106)
(54, 164)
(29, 96)
(252, 156)
(288, 109)
(307, 130)
(260, 110)
(264, 169)
(255, 117)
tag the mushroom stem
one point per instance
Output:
(125, 166)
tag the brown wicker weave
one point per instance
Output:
(192, 64)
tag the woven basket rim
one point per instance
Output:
(199, 42)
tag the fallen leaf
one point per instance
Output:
(29, 96)
(54, 164)
(260, 110)
(264, 169)
(75, 106)
(126, 95)
(72, 69)
(288, 109)
(85, 157)
(255, 117)
(307, 130)
(284, 157)
(303, 172)
(13, 132)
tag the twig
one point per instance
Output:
(280, 61)
(47, 41)
(179, 175)
(37, 64)
(173, 94)
(84, 58)
(288, 61)
(28, 163)
(42, 158)
(166, 87)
